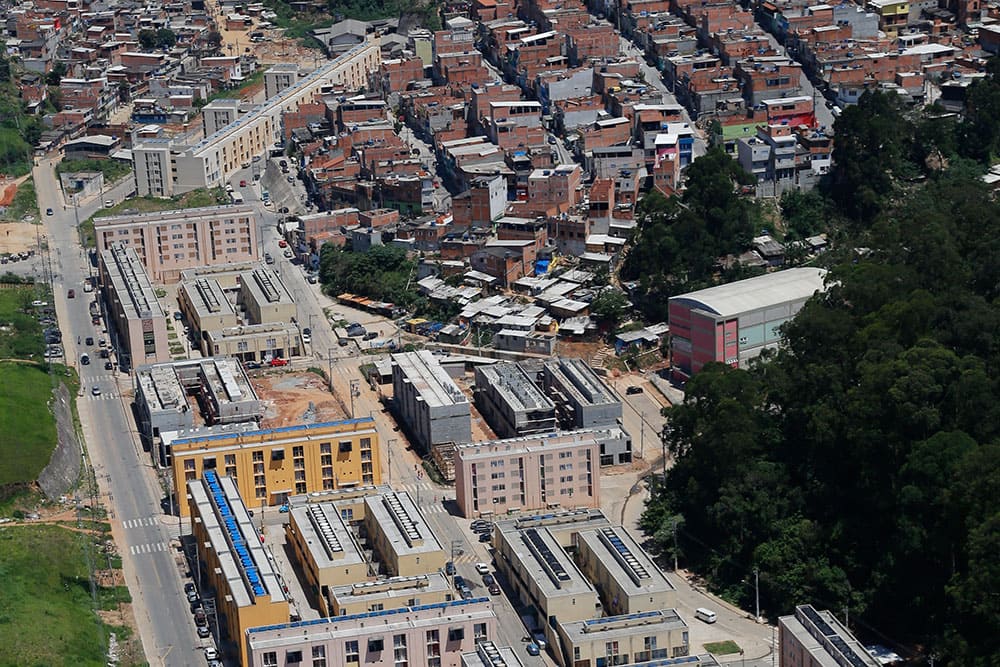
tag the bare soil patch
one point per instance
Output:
(296, 397)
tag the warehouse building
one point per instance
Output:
(134, 313)
(248, 591)
(272, 464)
(811, 638)
(428, 401)
(221, 390)
(511, 403)
(557, 470)
(435, 635)
(734, 323)
(628, 580)
(641, 638)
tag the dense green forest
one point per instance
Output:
(383, 273)
(859, 466)
(19, 131)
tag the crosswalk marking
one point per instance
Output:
(104, 396)
(140, 522)
(140, 549)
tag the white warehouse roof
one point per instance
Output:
(759, 292)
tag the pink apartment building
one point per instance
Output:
(435, 635)
(169, 242)
(529, 473)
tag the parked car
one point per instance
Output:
(268, 259)
(290, 179)
(532, 649)
(306, 338)
(48, 211)
(71, 294)
(288, 253)
(84, 360)
(189, 588)
(243, 184)
(278, 361)
(108, 366)
(177, 316)
(482, 568)
(312, 279)
(253, 365)
(459, 581)
(449, 568)
(485, 537)
(204, 632)
(282, 243)
(90, 340)
(633, 390)
(200, 619)
(371, 335)
(105, 353)
(211, 653)
(466, 594)
(539, 638)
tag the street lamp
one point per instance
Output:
(756, 590)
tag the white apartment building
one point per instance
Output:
(164, 168)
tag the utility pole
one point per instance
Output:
(388, 449)
(354, 392)
(756, 589)
(674, 527)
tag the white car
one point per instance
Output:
(211, 653)
(482, 568)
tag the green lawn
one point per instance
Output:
(27, 427)
(727, 647)
(20, 332)
(45, 604)
(236, 93)
(194, 199)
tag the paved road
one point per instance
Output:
(125, 475)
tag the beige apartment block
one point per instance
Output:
(134, 312)
(254, 342)
(623, 572)
(205, 305)
(398, 531)
(541, 472)
(544, 576)
(168, 242)
(623, 640)
(265, 298)
(391, 593)
(164, 168)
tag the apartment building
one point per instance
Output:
(134, 313)
(168, 396)
(391, 593)
(811, 638)
(269, 465)
(254, 342)
(428, 401)
(248, 591)
(164, 169)
(545, 578)
(627, 639)
(555, 189)
(488, 654)
(628, 580)
(435, 635)
(398, 532)
(265, 298)
(169, 242)
(530, 473)
(511, 403)
(279, 78)
(585, 401)
(219, 114)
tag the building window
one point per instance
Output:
(319, 656)
(293, 657)
(324, 448)
(271, 659)
(351, 651)
(479, 632)
(189, 464)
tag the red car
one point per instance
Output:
(282, 243)
(243, 184)
(278, 361)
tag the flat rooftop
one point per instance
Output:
(432, 383)
(390, 588)
(341, 627)
(234, 540)
(576, 376)
(826, 641)
(545, 561)
(208, 298)
(512, 383)
(491, 448)
(266, 286)
(612, 627)
(627, 563)
(401, 522)
(756, 293)
(329, 540)
(128, 277)
(176, 215)
(161, 387)
(488, 654)
(277, 436)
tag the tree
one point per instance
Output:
(165, 38)
(609, 307)
(147, 39)
(56, 74)
(214, 40)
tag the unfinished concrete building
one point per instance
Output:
(511, 403)
(428, 401)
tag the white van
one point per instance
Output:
(706, 615)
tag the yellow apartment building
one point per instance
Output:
(269, 465)
(247, 589)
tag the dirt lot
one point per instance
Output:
(19, 236)
(296, 398)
